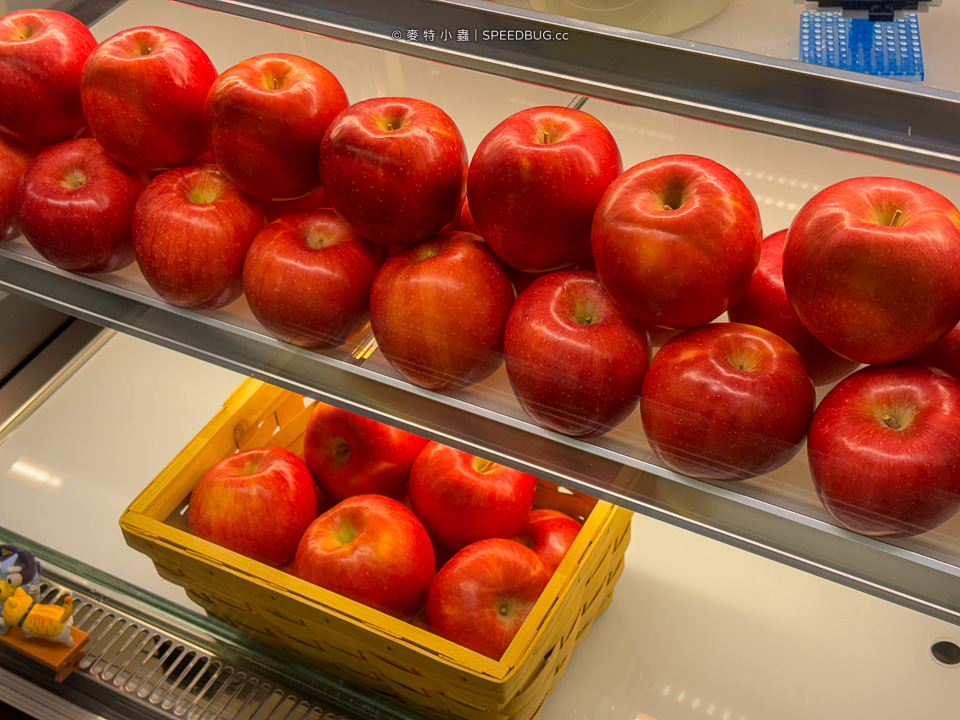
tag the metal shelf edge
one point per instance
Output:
(875, 116)
(886, 570)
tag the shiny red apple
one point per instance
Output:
(944, 354)
(676, 240)
(481, 597)
(534, 183)
(438, 311)
(726, 402)
(76, 207)
(307, 279)
(549, 533)
(14, 158)
(142, 93)
(42, 53)
(258, 503)
(371, 549)
(265, 119)
(575, 359)
(394, 168)
(872, 267)
(349, 454)
(191, 231)
(462, 498)
(766, 305)
(884, 450)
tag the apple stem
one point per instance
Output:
(896, 217)
(73, 179)
(484, 466)
(889, 420)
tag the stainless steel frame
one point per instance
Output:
(879, 117)
(865, 114)
(907, 573)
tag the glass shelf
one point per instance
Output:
(876, 116)
(777, 516)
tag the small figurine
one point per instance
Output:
(20, 568)
(49, 622)
(42, 632)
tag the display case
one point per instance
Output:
(728, 88)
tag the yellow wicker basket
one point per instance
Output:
(374, 649)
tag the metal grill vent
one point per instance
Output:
(172, 677)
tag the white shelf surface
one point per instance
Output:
(696, 630)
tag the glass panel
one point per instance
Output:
(778, 517)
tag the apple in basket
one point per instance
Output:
(258, 503)
(349, 454)
(481, 597)
(549, 533)
(371, 549)
(462, 498)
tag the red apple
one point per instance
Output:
(575, 359)
(349, 454)
(394, 168)
(142, 93)
(481, 597)
(438, 310)
(676, 240)
(549, 534)
(884, 450)
(766, 305)
(872, 267)
(726, 402)
(14, 158)
(371, 549)
(307, 279)
(42, 53)
(461, 498)
(265, 119)
(76, 207)
(534, 183)
(257, 503)
(191, 232)
(317, 200)
(944, 354)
